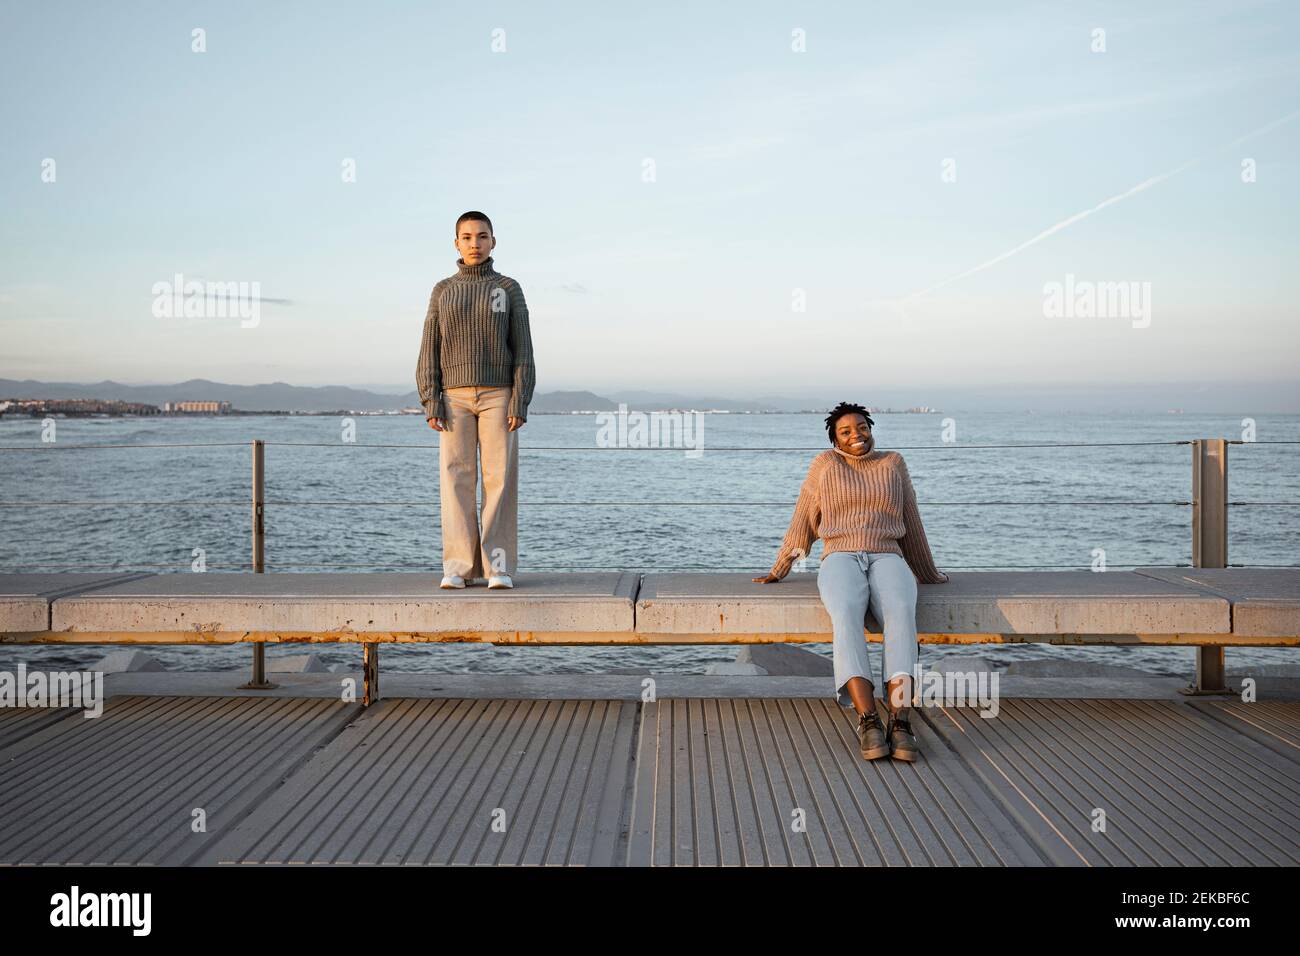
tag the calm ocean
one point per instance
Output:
(603, 508)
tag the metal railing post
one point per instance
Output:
(1209, 543)
(259, 681)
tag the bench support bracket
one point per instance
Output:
(1210, 674)
(258, 681)
(370, 673)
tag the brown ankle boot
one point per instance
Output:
(902, 741)
(871, 736)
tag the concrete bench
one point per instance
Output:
(223, 608)
(1265, 601)
(1209, 609)
(25, 599)
(974, 607)
(1235, 606)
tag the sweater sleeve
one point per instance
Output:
(915, 547)
(802, 533)
(521, 347)
(428, 369)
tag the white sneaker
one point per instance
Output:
(453, 581)
(500, 581)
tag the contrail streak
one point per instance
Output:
(1145, 184)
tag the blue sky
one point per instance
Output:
(775, 171)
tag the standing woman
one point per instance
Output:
(861, 503)
(475, 376)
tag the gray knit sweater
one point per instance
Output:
(476, 333)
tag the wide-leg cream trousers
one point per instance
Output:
(477, 430)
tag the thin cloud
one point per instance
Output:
(1144, 185)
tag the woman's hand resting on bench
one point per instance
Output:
(783, 568)
(779, 570)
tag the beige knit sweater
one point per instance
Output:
(864, 503)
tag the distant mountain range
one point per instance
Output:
(280, 396)
(1247, 398)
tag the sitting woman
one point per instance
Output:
(861, 503)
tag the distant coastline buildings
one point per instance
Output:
(74, 407)
(82, 407)
(196, 408)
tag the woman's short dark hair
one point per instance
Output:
(475, 215)
(839, 411)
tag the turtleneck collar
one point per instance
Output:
(476, 271)
(869, 455)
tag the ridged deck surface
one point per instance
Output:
(1274, 724)
(1175, 787)
(18, 723)
(454, 781)
(780, 782)
(709, 781)
(153, 779)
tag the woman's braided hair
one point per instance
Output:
(839, 411)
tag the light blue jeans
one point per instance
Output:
(849, 583)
